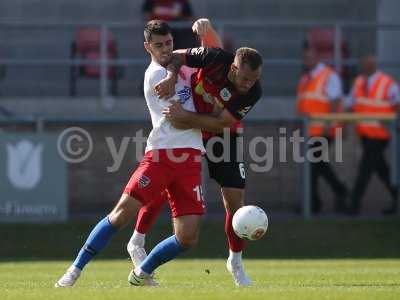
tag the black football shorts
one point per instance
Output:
(225, 160)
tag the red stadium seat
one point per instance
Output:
(87, 46)
(323, 41)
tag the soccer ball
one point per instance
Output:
(250, 222)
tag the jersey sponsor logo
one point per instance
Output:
(199, 90)
(184, 95)
(244, 110)
(225, 94)
(143, 181)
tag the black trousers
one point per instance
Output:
(325, 170)
(372, 160)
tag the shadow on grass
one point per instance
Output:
(298, 239)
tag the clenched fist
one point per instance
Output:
(201, 26)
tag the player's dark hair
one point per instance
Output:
(155, 27)
(249, 56)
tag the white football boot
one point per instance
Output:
(69, 278)
(137, 280)
(237, 271)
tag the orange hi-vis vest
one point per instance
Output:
(312, 98)
(374, 100)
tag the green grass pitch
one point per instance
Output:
(208, 279)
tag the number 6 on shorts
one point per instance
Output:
(242, 171)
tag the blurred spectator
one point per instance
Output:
(173, 11)
(373, 92)
(167, 10)
(320, 91)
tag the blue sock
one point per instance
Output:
(163, 252)
(97, 240)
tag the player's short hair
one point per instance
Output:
(157, 27)
(248, 56)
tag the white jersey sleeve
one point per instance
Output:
(163, 134)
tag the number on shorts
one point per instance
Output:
(242, 171)
(199, 193)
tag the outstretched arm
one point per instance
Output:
(209, 38)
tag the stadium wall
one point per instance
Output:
(128, 10)
(55, 42)
(388, 42)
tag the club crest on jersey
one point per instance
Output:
(184, 95)
(144, 181)
(225, 94)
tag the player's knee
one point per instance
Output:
(233, 199)
(188, 240)
(124, 211)
(118, 219)
(233, 206)
(189, 243)
(186, 230)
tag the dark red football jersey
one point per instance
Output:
(211, 86)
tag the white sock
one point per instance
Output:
(137, 239)
(139, 272)
(74, 269)
(235, 256)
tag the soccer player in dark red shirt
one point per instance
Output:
(225, 88)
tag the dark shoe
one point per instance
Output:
(316, 209)
(353, 211)
(340, 207)
(340, 201)
(390, 211)
(316, 205)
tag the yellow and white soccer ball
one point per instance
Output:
(250, 222)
